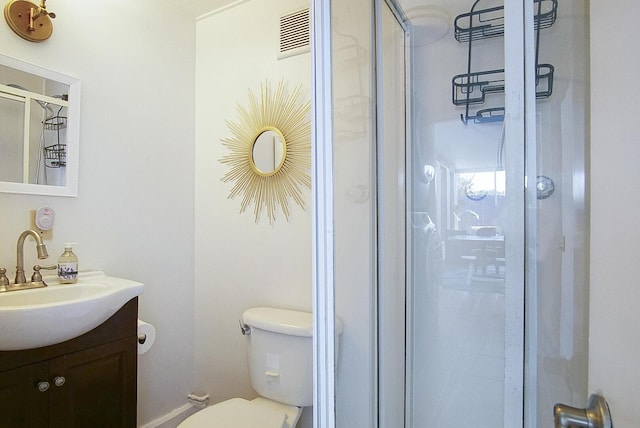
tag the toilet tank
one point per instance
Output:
(280, 354)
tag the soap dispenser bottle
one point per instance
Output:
(68, 266)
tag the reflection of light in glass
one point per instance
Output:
(488, 182)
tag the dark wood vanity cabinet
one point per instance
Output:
(86, 382)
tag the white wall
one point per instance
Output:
(241, 264)
(134, 214)
(615, 204)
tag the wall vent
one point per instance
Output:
(295, 33)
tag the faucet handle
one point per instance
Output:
(37, 277)
(4, 281)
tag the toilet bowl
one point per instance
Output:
(280, 357)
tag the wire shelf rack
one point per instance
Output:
(55, 156)
(489, 23)
(473, 87)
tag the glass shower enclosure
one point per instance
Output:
(451, 160)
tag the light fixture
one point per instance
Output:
(28, 20)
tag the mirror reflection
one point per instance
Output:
(34, 138)
(38, 130)
(268, 152)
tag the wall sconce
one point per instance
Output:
(28, 20)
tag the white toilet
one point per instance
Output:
(280, 356)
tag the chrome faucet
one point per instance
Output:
(40, 247)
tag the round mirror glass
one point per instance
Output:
(268, 152)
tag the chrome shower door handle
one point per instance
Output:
(596, 415)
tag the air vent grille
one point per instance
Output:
(295, 33)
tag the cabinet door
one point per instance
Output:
(22, 404)
(99, 387)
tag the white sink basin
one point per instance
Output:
(45, 316)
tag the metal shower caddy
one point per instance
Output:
(472, 87)
(55, 155)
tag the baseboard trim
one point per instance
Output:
(175, 413)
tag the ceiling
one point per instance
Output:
(197, 8)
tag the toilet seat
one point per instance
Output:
(236, 413)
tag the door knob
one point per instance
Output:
(596, 415)
(43, 386)
(59, 380)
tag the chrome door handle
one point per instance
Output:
(596, 415)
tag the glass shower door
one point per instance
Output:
(557, 226)
(466, 340)
(495, 297)
(500, 267)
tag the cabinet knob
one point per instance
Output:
(59, 380)
(43, 386)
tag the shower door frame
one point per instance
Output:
(519, 53)
(322, 270)
(388, 378)
(519, 112)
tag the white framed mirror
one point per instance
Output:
(39, 130)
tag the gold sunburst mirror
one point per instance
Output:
(270, 151)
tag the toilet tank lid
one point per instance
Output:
(283, 321)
